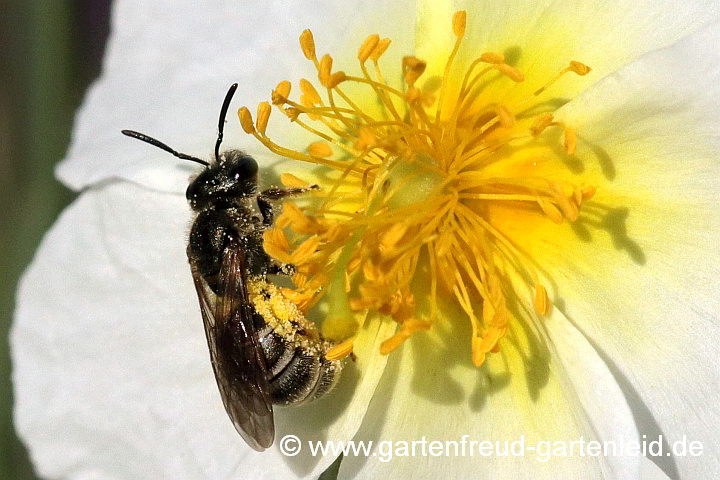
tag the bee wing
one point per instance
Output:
(235, 352)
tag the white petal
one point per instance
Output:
(597, 391)
(650, 471)
(549, 392)
(111, 370)
(643, 285)
(169, 64)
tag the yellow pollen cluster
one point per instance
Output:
(401, 225)
(283, 316)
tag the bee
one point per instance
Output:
(262, 348)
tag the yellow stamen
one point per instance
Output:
(406, 331)
(263, 116)
(492, 57)
(276, 245)
(458, 23)
(321, 149)
(550, 210)
(541, 123)
(575, 67)
(368, 47)
(281, 93)
(303, 253)
(588, 192)
(414, 67)
(579, 68)
(340, 351)
(542, 302)
(380, 48)
(246, 120)
(309, 91)
(307, 43)
(570, 141)
(414, 178)
(512, 73)
(325, 69)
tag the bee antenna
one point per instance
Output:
(221, 122)
(159, 144)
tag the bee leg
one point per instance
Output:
(273, 193)
(284, 269)
(266, 210)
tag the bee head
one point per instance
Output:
(233, 177)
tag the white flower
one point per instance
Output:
(110, 362)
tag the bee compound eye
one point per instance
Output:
(196, 192)
(243, 167)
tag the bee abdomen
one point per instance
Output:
(296, 374)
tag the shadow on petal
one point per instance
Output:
(603, 158)
(613, 221)
(648, 428)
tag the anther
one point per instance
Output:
(492, 57)
(577, 196)
(413, 94)
(277, 237)
(365, 139)
(281, 93)
(550, 210)
(541, 123)
(292, 113)
(380, 48)
(406, 330)
(309, 91)
(336, 79)
(390, 238)
(340, 351)
(485, 344)
(570, 141)
(368, 47)
(246, 120)
(569, 209)
(305, 250)
(263, 115)
(291, 181)
(477, 354)
(459, 22)
(325, 70)
(413, 67)
(510, 72)
(579, 68)
(412, 62)
(308, 45)
(588, 191)
(275, 248)
(321, 149)
(370, 272)
(506, 117)
(542, 302)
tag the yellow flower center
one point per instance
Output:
(405, 219)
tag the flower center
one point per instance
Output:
(405, 220)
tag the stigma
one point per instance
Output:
(403, 222)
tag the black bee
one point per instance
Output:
(259, 357)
